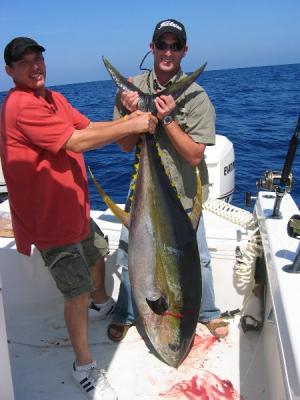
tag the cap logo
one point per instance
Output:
(170, 23)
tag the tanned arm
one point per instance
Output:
(191, 151)
(99, 134)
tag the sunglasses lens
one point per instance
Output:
(160, 45)
(176, 46)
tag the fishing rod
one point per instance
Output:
(281, 182)
(286, 176)
(290, 155)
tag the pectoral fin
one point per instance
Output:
(158, 306)
(122, 215)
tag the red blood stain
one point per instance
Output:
(172, 314)
(199, 350)
(208, 387)
(203, 343)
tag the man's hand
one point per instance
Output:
(130, 99)
(143, 122)
(165, 105)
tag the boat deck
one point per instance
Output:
(41, 358)
(41, 355)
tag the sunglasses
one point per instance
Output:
(161, 45)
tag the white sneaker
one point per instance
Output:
(101, 311)
(93, 382)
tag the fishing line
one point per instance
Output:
(142, 62)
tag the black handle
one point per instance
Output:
(290, 155)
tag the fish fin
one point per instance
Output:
(177, 88)
(158, 306)
(197, 206)
(122, 83)
(134, 175)
(122, 215)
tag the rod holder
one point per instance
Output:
(279, 196)
(295, 267)
(293, 230)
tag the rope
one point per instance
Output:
(245, 260)
(230, 213)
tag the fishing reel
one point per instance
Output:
(280, 182)
(271, 181)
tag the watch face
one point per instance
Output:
(167, 120)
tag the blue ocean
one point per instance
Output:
(257, 109)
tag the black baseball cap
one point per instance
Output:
(16, 48)
(170, 26)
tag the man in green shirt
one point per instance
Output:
(185, 128)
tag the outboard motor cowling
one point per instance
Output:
(220, 162)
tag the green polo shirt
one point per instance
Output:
(195, 114)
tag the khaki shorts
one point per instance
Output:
(70, 264)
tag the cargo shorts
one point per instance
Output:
(70, 264)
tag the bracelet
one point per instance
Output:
(125, 118)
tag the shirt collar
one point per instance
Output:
(154, 84)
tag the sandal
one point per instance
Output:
(120, 331)
(214, 325)
(250, 323)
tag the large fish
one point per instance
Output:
(163, 258)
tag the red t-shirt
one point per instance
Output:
(47, 185)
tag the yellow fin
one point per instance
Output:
(197, 206)
(122, 215)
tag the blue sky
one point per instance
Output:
(225, 33)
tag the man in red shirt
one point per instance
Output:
(42, 138)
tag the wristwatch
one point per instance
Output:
(167, 120)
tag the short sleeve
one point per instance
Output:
(50, 126)
(201, 119)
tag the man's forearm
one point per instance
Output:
(98, 135)
(101, 124)
(128, 143)
(191, 151)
